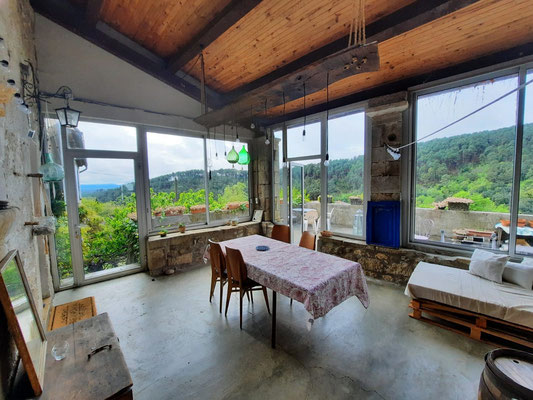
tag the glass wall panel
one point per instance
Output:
(299, 145)
(228, 183)
(346, 150)
(99, 136)
(524, 233)
(279, 180)
(464, 174)
(176, 171)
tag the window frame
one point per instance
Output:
(323, 117)
(516, 67)
(154, 228)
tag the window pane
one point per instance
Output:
(524, 234)
(299, 145)
(97, 136)
(346, 149)
(464, 174)
(177, 179)
(308, 217)
(279, 178)
(228, 183)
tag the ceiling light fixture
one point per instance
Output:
(67, 116)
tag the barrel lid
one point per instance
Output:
(513, 366)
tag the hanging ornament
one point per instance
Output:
(305, 118)
(233, 156)
(244, 157)
(51, 171)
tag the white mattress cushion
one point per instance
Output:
(519, 274)
(456, 287)
(488, 265)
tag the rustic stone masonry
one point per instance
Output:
(262, 185)
(181, 251)
(386, 114)
(392, 265)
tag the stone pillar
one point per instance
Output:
(387, 122)
(262, 184)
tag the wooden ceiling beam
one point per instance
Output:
(405, 19)
(224, 20)
(524, 51)
(81, 22)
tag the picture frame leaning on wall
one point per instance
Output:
(23, 319)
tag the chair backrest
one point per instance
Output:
(236, 266)
(282, 233)
(218, 261)
(308, 241)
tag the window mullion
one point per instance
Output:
(517, 169)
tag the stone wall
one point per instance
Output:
(392, 265)
(181, 251)
(262, 185)
(19, 156)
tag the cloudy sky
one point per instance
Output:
(168, 153)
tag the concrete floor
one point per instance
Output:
(178, 346)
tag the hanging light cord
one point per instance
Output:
(358, 24)
(305, 114)
(224, 130)
(397, 149)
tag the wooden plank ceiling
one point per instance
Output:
(274, 33)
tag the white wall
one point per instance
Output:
(92, 73)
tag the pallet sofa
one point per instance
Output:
(456, 300)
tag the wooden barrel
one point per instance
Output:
(508, 374)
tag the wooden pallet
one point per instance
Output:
(69, 313)
(476, 326)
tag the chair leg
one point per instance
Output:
(247, 296)
(227, 298)
(266, 298)
(252, 296)
(213, 282)
(291, 302)
(221, 288)
(240, 307)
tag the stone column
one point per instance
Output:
(262, 183)
(387, 121)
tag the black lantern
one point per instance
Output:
(67, 116)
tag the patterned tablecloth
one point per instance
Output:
(320, 281)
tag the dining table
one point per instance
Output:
(318, 280)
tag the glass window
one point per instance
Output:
(299, 145)
(464, 174)
(98, 136)
(346, 150)
(228, 184)
(177, 179)
(524, 230)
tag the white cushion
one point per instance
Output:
(488, 265)
(519, 274)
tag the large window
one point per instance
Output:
(346, 150)
(327, 163)
(464, 187)
(181, 168)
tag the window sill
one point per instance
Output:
(199, 231)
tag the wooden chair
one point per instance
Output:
(308, 241)
(218, 269)
(238, 280)
(282, 233)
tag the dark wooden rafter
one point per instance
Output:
(518, 52)
(83, 22)
(405, 19)
(92, 12)
(224, 20)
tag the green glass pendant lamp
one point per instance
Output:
(244, 157)
(233, 156)
(51, 171)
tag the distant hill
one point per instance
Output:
(88, 189)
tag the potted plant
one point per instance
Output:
(163, 232)
(181, 227)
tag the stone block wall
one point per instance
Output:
(181, 251)
(386, 114)
(392, 265)
(261, 178)
(19, 156)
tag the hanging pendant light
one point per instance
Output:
(233, 156)
(244, 157)
(267, 140)
(305, 118)
(237, 140)
(67, 116)
(51, 171)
